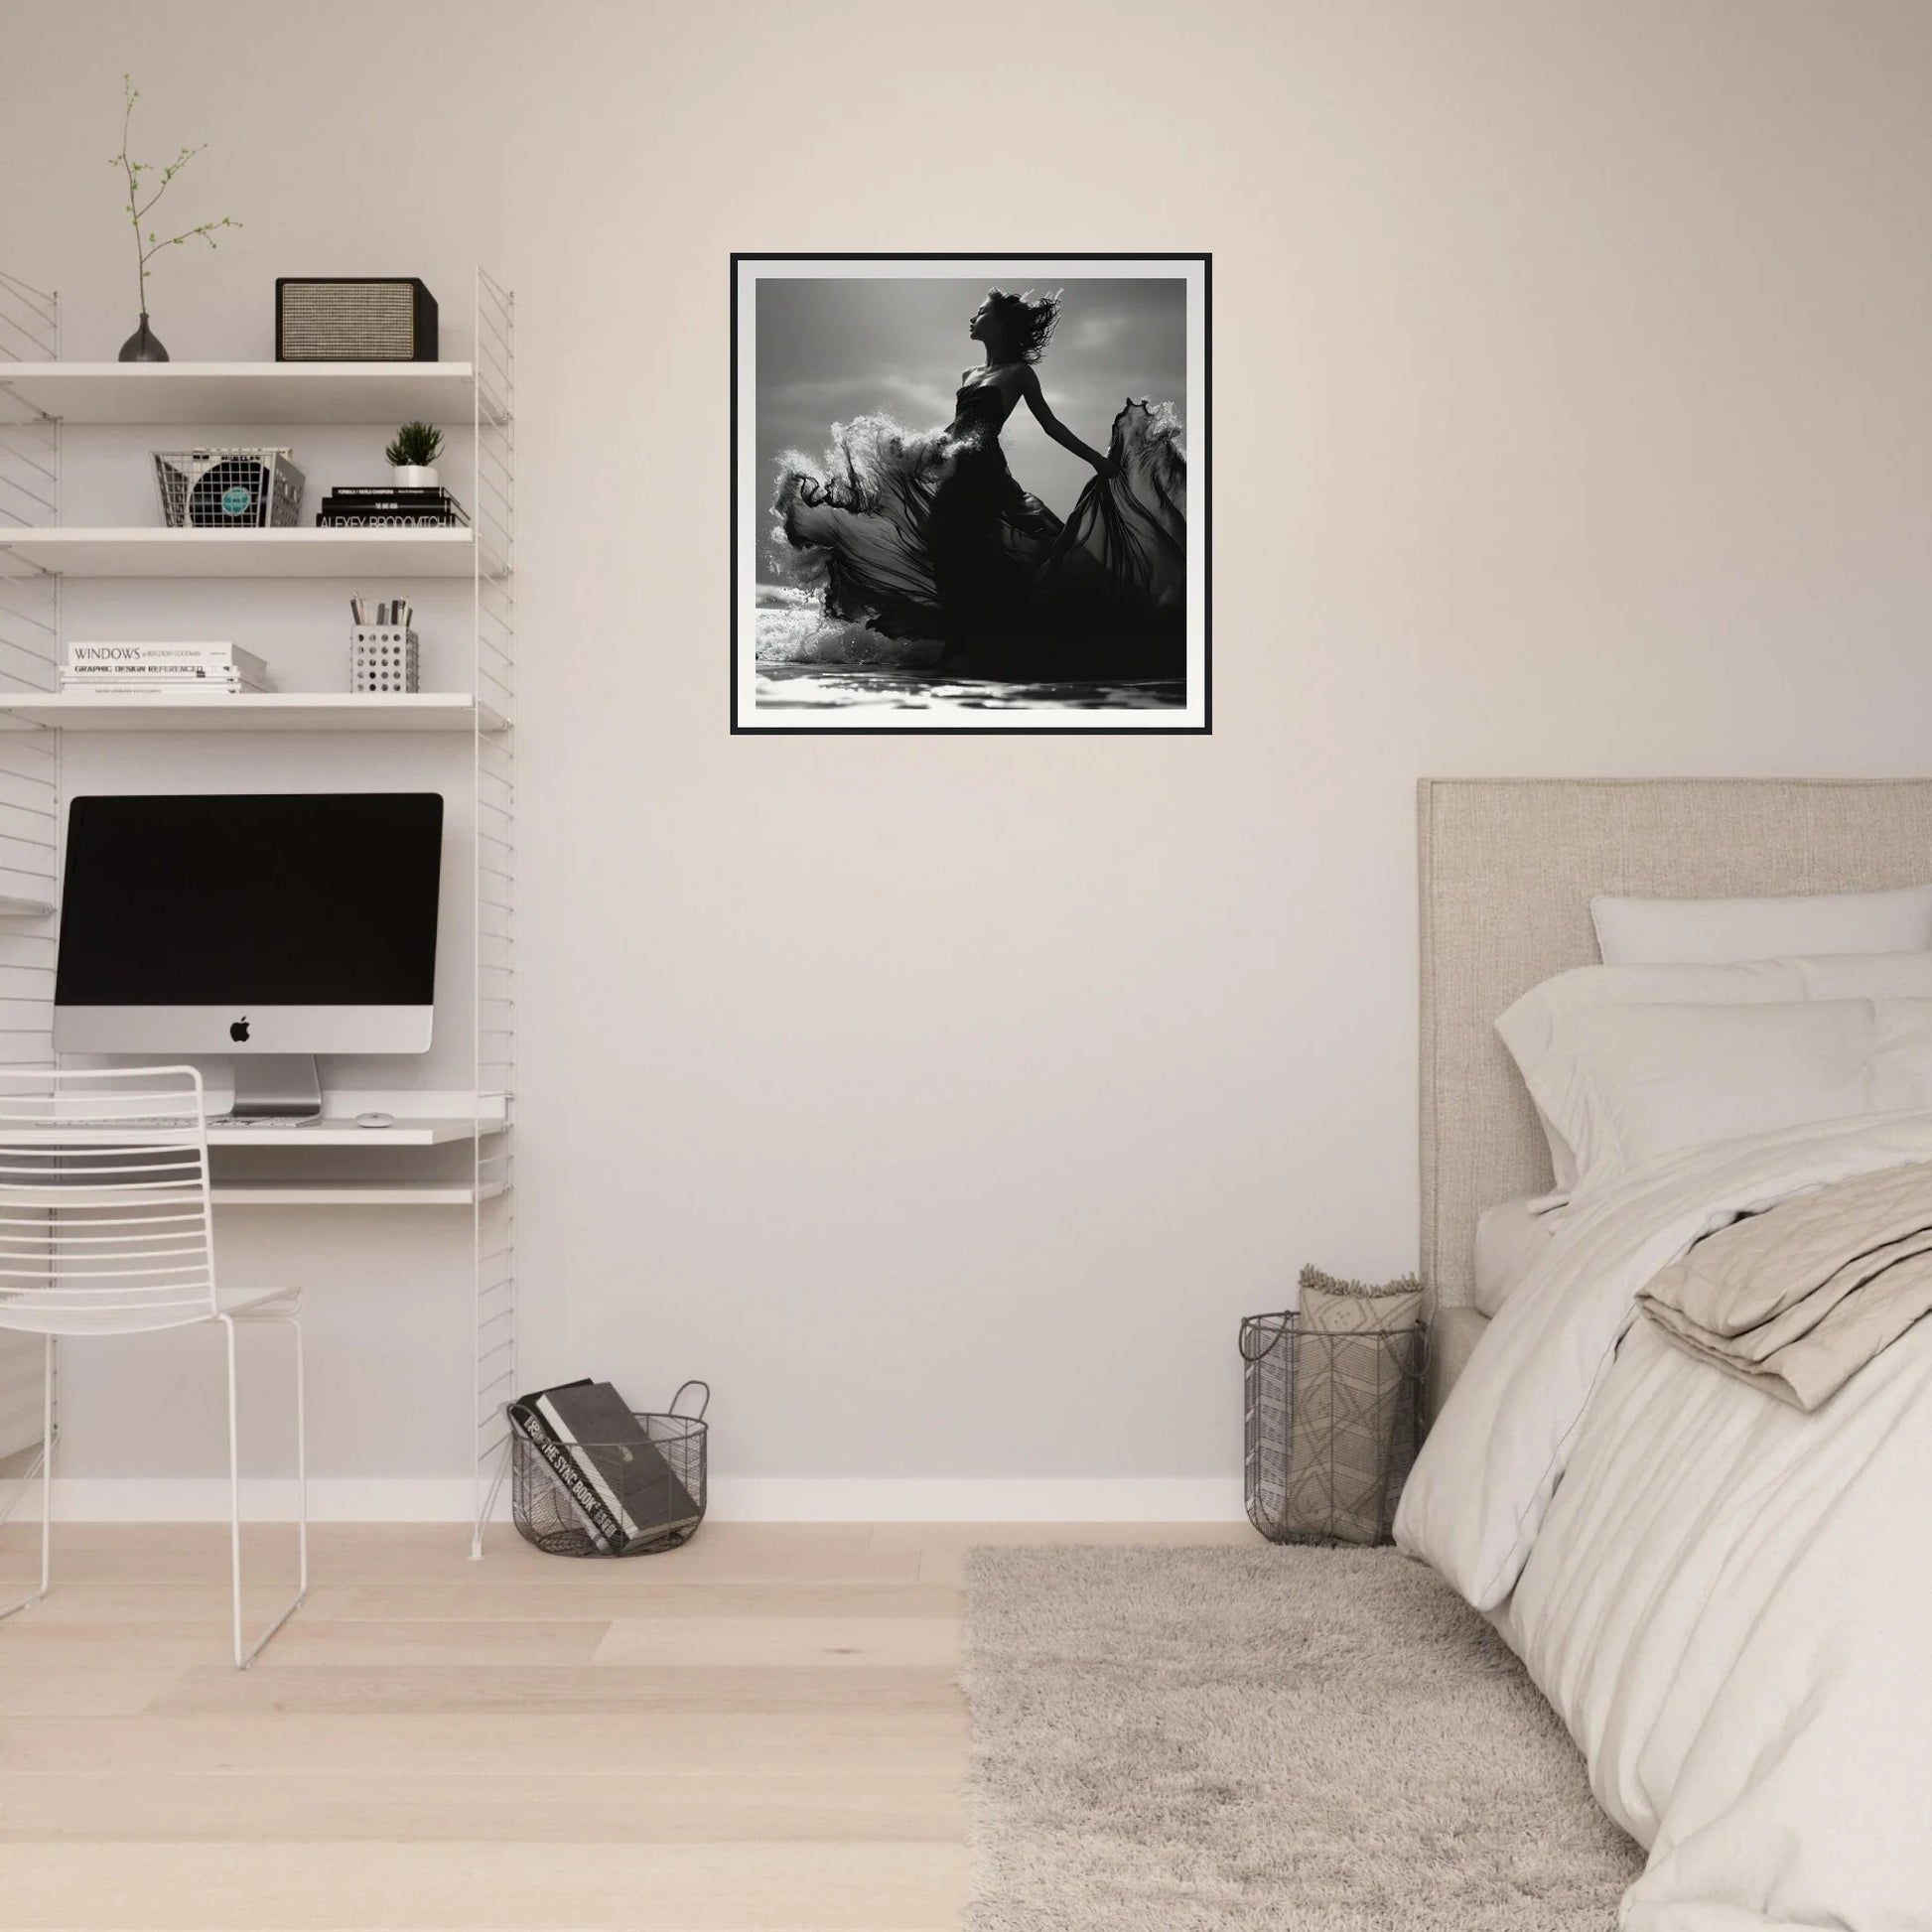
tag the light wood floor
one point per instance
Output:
(759, 1733)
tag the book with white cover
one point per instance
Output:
(121, 682)
(100, 659)
(86, 648)
(148, 687)
(147, 673)
(160, 674)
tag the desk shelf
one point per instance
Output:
(350, 1193)
(438, 1130)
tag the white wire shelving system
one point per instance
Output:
(30, 778)
(36, 549)
(494, 394)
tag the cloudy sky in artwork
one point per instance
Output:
(834, 349)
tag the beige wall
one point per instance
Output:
(946, 1100)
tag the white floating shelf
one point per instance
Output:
(244, 392)
(262, 711)
(311, 552)
(421, 1131)
(349, 1193)
(24, 908)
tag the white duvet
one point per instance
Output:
(1727, 1601)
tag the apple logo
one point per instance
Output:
(239, 1031)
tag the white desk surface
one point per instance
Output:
(330, 1131)
(428, 1131)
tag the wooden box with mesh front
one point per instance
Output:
(353, 319)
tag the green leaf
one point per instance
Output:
(416, 443)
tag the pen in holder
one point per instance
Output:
(383, 657)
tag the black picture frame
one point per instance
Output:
(1199, 433)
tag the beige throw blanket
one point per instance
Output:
(1799, 1298)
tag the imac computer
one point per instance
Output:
(267, 927)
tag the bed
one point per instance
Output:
(1723, 1598)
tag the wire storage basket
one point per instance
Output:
(227, 488)
(562, 1500)
(1333, 1422)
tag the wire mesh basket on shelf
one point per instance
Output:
(1332, 1427)
(546, 1493)
(228, 489)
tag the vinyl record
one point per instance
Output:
(230, 493)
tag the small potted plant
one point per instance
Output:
(412, 454)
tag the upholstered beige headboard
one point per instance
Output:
(1508, 868)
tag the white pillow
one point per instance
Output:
(1643, 1082)
(1539, 1029)
(1657, 932)
(1511, 1238)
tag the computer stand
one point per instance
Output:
(276, 1086)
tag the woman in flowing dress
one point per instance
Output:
(925, 549)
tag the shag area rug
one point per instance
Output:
(1226, 1739)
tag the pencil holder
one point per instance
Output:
(382, 657)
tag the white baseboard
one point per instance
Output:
(971, 1499)
(204, 1499)
(733, 1499)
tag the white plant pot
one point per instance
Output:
(413, 475)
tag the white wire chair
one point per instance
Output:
(106, 1229)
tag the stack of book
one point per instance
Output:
(385, 506)
(121, 669)
(620, 1484)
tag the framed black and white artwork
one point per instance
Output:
(970, 493)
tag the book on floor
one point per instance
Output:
(636, 1485)
(600, 1523)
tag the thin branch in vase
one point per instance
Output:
(148, 244)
